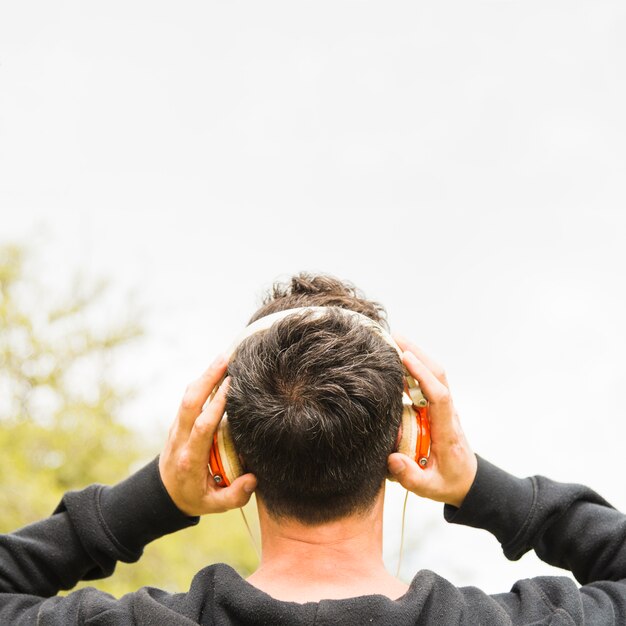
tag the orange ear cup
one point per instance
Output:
(224, 462)
(414, 438)
(215, 464)
(423, 445)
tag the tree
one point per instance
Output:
(60, 427)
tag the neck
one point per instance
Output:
(337, 559)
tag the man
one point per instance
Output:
(313, 405)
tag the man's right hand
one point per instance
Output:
(184, 462)
(452, 465)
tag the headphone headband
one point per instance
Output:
(264, 323)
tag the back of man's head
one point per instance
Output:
(314, 403)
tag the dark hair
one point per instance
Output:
(314, 403)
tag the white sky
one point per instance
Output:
(463, 162)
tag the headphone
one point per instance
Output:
(414, 437)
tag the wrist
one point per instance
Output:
(497, 502)
(465, 483)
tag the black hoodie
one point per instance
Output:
(567, 525)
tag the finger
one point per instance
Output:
(197, 394)
(406, 471)
(441, 414)
(435, 391)
(430, 363)
(201, 435)
(235, 495)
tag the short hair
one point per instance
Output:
(315, 403)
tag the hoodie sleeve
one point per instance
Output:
(567, 525)
(86, 535)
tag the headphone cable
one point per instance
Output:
(252, 539)
(406, 497)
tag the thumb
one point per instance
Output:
(405, 470)
(238, 493)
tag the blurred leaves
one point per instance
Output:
(60, 426)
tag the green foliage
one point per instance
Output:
(60, 427)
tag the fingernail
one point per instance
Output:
(395, 465)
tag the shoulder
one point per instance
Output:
(535, 600)
(148, 605)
